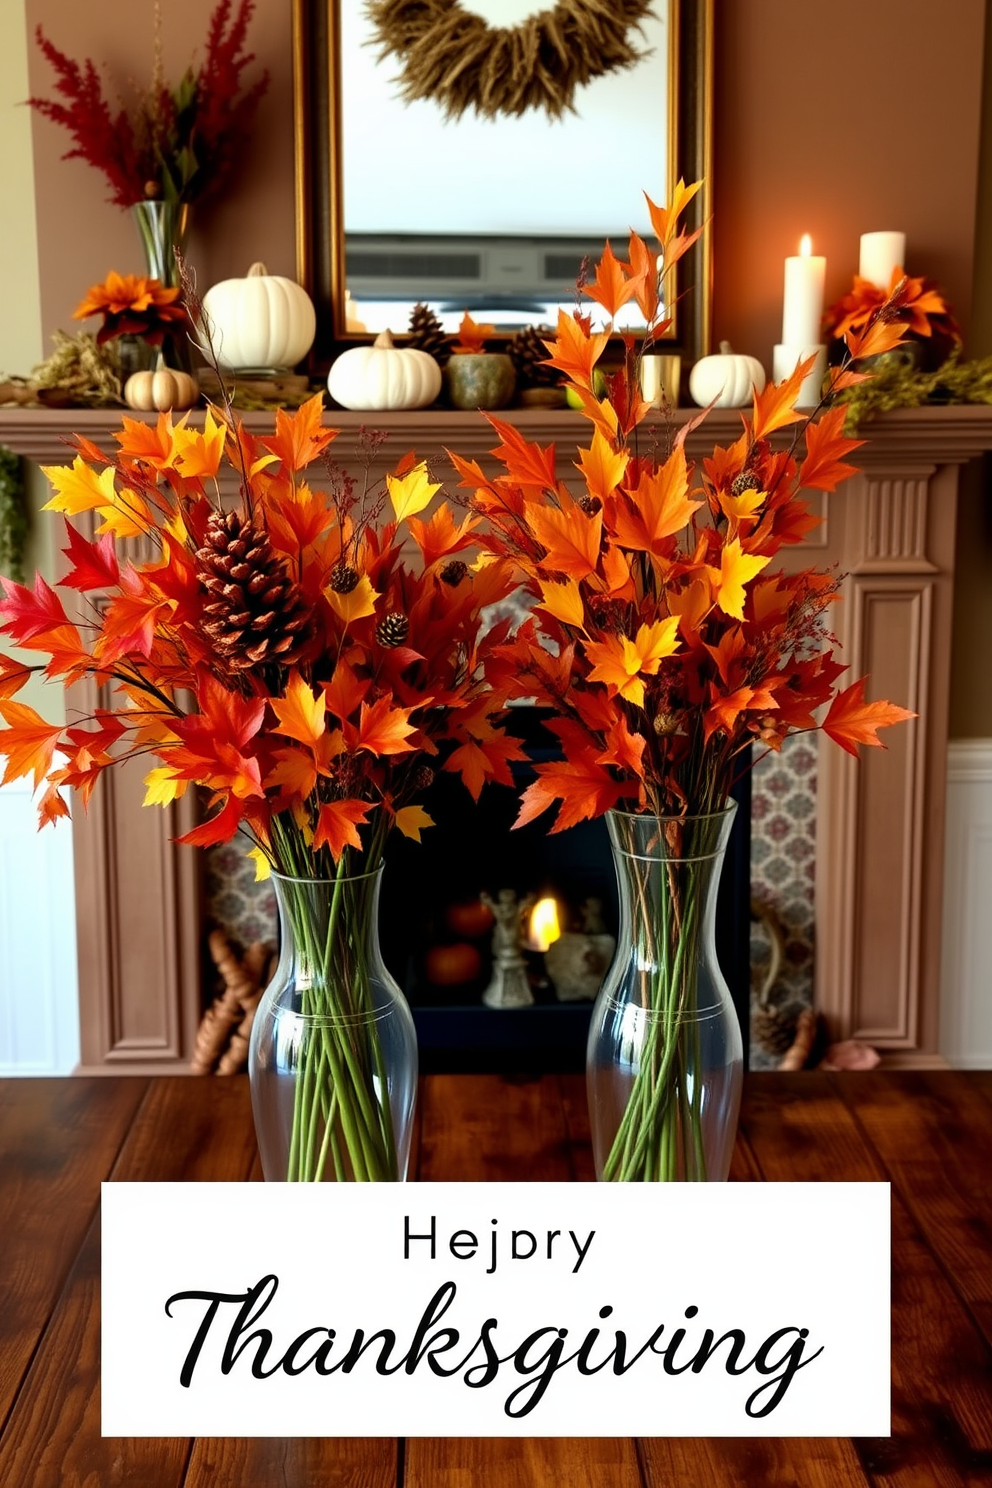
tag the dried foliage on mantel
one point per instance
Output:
(880, 821)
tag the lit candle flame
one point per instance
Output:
(543, 927)
(805, 245)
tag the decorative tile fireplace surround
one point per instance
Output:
(865, 882)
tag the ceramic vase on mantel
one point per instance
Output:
(665, 1056)
(333, 1054)
(162, 227)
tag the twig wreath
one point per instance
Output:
(455, 58)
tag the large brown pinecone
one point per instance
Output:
(427, 334)
(256, 612)
(529, 356)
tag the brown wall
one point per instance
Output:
(829, 119)
(80, 234)
(836, 120)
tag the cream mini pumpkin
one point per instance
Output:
(384, 376)
(260, 321)
(160, 389)
(726, 380)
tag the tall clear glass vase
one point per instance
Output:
(333, 1052)
(665, 1057)
(162, 227)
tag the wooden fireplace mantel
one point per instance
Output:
(880, 821)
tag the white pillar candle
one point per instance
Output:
(881, 252)
(802, 309)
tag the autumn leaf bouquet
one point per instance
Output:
(914, 303)
(665, 643)
(307, 654)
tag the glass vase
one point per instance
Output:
(665, 1057)
(333, 1053)
(162, 227)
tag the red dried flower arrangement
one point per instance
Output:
(178, 141)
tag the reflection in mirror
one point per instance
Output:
(399, 204)
(492, 215)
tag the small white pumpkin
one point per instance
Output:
(726, 380)
(260, 321)
(384, 376)
(160, 389)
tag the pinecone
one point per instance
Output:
(392, 629)
(256, 612)
(746, 481)
(529, 356)
(452, 573)
(344, 578)
(426, 334)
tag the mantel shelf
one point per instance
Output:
(938, 434)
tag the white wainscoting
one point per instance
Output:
(39, 1002)
(966, 969)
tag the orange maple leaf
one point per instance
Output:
(584, 788)
(614, 283)
(300, 436)
(28, 743)
(471, 335)
(439, 537)
(645, 265)
(619, 662)
(479, 760)
(775, 406)
(851, 720)
(571, 536)
(665, 219)
(656, 508)
(382, 729)
(575, 351)
(13, 675)
(527, 464)
(301, 714)
(824, 467)
(337, 826)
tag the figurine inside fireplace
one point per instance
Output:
(509, 985)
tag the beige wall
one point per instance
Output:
(20, 312)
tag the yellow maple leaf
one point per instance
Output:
(129, 515)
(412, 820)
(411, 492)
(162, 787)
(263, 867)
(194, 453)
(78, 488)
(618, 661)
(602, 466)
(357, 603)
(736, 569)
(564, 601)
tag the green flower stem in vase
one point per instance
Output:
(162, 227)
(333, 1056)
(665, 1057)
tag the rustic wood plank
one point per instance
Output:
(489, 1128)
(183, 1129)
(726, 1462)
(941, 1376)
(58, 1139)
(302, 1462)
(931, 1128)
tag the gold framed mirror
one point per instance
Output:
(347, 97)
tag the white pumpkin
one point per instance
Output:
(262, 320)
(726, 380)
(384, 376)
(160, 389)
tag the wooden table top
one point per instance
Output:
(928, 1133)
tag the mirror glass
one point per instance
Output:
(492, 215)
(398, 203)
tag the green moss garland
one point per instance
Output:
(894, 385)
